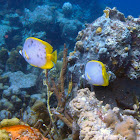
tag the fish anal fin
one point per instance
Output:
(48, 65)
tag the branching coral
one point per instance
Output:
(58, 89)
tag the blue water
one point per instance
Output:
(128, 7)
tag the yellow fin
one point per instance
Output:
(105, 76)
(48, 65)
(54, 56)
(50, 59)
(33, 65)
(48, 48)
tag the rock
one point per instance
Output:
(19, 80)
(67, 9)
(4, 114)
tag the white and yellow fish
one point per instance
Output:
(95, 73)
(39, 53)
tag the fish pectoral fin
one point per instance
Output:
(26, 55)
(48, 65)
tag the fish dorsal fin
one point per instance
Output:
(49, 48)
(97, 62)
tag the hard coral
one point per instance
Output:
(23, 132)
(111, 119)
(67, 9)
(15, 129)
(9, 122)
(114, 41)
(15, 62)
(99, 122)
(79, 46)
(106, 11)
(3, 56)
(127, 128)
(99, 30)
(4, 135)
(40, 112)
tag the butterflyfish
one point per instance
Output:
(95, 73)
(39, 53)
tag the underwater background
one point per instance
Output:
(70, 70)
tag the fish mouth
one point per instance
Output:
(20, 52)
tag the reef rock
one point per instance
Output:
(42, 17)
(99, 122)
(20, 80)
(67, 9)
(111, 39)
(3, 30)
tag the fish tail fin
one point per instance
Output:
(54, 56)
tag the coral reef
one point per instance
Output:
(47, 19)
(3, 56)
(55, 72)
(14, 129)
(20, 80)
(55, 106)
(16, 89)
(4, 29)
(15, 62)
(96, 121)
(38, 17)
(37, 112)
(57, 86)
(67, 9)
(112, 40)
